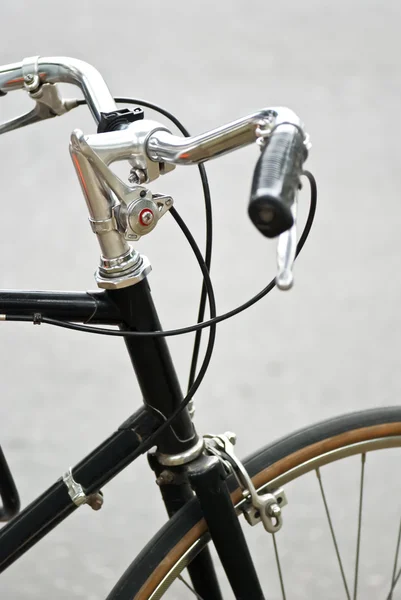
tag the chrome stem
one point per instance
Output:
(168, 148)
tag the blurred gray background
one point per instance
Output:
(330, 345)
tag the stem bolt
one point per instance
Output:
(146, 217)
(137, 176)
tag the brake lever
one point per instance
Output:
(49, 104)
(286, 252)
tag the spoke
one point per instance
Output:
(280, 574)
(358, 540)
(340, 564)
(393, 585)
(180, 577)
(395, 578)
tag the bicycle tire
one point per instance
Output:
(171, 546)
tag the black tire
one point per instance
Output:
(169, 543)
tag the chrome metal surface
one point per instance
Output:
(49, 95)
(256, 507)
(165, 147)
(115, 266)
(101, 189)
(104, 225)
(64, 70)
(49, 104)
(252, 513)
(286, 251)
(75, 490)
(30, 72)
(129, 144)
(263, 130)
(143, 214)
(137, 176)
(105, 192)
(113, 279)
(174, 460)
(146, 217)
(77, 494)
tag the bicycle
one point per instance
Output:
(204, 486)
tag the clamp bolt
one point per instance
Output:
(138, 176)
(146, 217)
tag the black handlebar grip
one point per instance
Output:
(276, 180)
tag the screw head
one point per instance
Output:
(28, 78)
(146, 217)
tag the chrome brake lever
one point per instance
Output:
(49, 104)
(286, 252)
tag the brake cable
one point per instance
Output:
(172, 332)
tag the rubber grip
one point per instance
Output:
(276, 180)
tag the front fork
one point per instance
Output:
(176, 492)
(208, 479)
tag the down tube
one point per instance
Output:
(93, 472)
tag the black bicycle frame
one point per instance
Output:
(132, 309)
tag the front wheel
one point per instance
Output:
(340, 537)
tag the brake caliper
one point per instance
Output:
(256, 507)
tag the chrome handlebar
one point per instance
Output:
(150, 148)
(33, 72)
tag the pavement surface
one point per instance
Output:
(329, 346)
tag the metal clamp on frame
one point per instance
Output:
(30, 73)
(77, 494)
